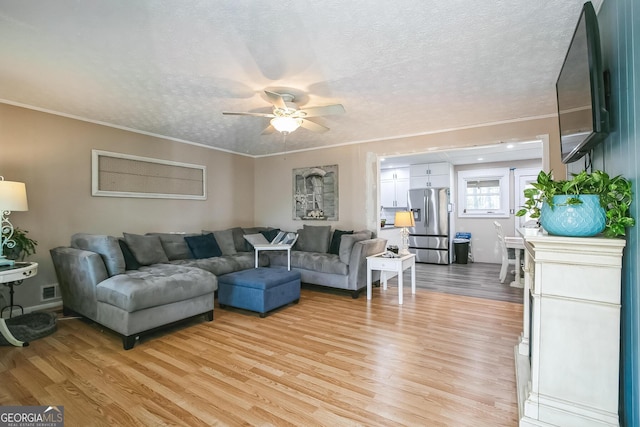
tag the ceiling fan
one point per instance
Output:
(287, 117)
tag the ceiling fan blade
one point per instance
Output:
(276, 99)
(313, 126)
(326, 110)
(233, 113)
(268, 130)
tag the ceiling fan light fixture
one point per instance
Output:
(285, 124)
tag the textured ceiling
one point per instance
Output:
(171, 67)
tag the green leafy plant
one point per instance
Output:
(615, 197)
(24, 247)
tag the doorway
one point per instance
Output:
(522, 179)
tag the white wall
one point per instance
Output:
(484, 240)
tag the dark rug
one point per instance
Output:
(31, 326)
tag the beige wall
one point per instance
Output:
(274, 184)
(52, 155)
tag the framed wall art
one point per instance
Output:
(123, 175)
(315, 193)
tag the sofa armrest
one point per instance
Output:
(358, 260)
(78, 273)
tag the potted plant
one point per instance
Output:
(585, 205)
(24, 246)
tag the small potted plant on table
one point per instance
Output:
(23, 247)
(583, 206)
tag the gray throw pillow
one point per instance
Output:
(238, 239)
(174, 245)
(225, 241)
(315, 238)
(146, 249)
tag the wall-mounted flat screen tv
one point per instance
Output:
(580, 89)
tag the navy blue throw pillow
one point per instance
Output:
(203, 246)
(130, 261)
(334, 248)
(270, 234)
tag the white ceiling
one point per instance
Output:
(399, 68)
(501, 152)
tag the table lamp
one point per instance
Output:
(404, 219)
(13, 197)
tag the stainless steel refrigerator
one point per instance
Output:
(429, 239)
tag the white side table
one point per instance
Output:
(13, 276)
(398, 265)
(270, 247)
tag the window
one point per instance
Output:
(483, 193)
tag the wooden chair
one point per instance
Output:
(508, 256)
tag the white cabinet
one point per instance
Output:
(394, 185)
(426, 175)
(568, 356)
(435, 181)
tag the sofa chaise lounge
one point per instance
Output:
(135, 284)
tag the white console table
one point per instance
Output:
(567, 360)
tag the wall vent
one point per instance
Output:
(49, 292)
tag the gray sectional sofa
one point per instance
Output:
(137, 283)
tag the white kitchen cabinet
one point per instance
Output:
(435, 181)
(394, 185)
(567, 360)
(424, 169)
(425, 175)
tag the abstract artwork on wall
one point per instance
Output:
(315, 193)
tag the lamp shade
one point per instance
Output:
(404, 219)
(13, 196)
(285, 124)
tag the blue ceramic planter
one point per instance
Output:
(584, 220)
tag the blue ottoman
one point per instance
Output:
(259, 289)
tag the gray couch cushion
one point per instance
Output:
(107, 246)
(238, 239)
(322, 263)
(223, 264)
(314, 238)
(147, 249)
(348, 240)
(225, 241)
(174, 245)
(155, 285)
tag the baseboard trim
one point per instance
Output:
(50, 306)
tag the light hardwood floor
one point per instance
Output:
(438, 360)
